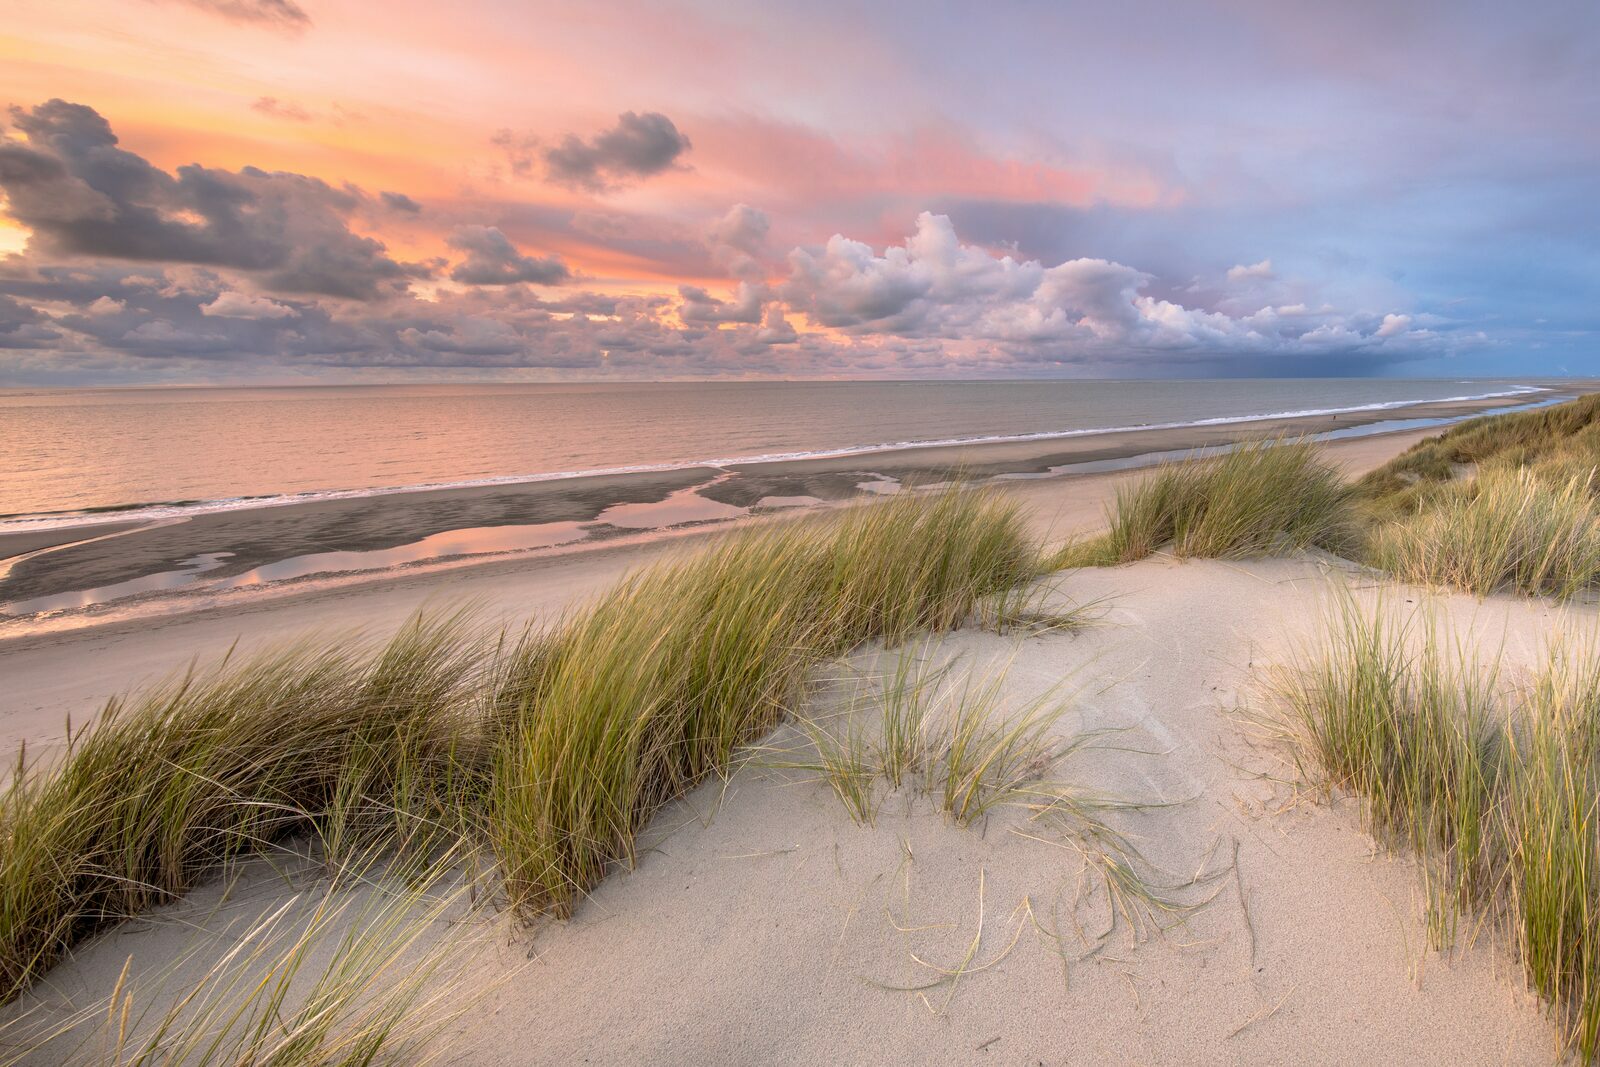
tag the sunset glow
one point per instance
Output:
(898, 192)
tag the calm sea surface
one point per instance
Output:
(69, 450)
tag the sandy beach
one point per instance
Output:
(255, 549)
(762, 924)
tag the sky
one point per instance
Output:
(303, 191)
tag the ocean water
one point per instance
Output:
(170, 451)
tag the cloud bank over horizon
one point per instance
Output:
(681, 241)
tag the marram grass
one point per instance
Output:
(1563, 438)
(1505, 529)
(638, 697)
(167, 788)
(1509, 503)
(1496, 787)
(550, 751)
(1259, 498)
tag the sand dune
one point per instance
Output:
(763, 925)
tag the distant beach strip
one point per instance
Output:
(69, 563)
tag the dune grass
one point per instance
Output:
(1494, 786)
(1503, 503)
(1259, 498)
(950, 735)
(1504, 529)
(641, 695)
(164, 789)
(959, 739)
(550, 751)
(1545, 438)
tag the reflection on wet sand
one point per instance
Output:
(477, 541)
(163, 582)
(685, 506)
(682, 506)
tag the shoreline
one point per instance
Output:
(45, 524)
(130, 646)
(61, 574)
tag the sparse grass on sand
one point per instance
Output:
(1259, 498)
(963, 740)
(365, 968)
(951, 734)
(1494, 785)
(550, 752)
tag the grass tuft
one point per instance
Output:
(1259, 498)
(948, 735)
(989, 757)
(1495, 787)
(641, 695)
(166, 788)
(1506, 529)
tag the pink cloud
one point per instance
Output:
(792, 163)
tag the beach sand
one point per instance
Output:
(762, 925)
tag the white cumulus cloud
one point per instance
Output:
(233, 304)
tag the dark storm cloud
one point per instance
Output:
(493, 260)
(23, 327)
(636, 147)
(163, 314)
(278, 14)
(82, 195)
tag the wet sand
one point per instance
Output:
(238, 544)
(915, 466)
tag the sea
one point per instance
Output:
(71, 456)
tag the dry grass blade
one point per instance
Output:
(363, 970)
